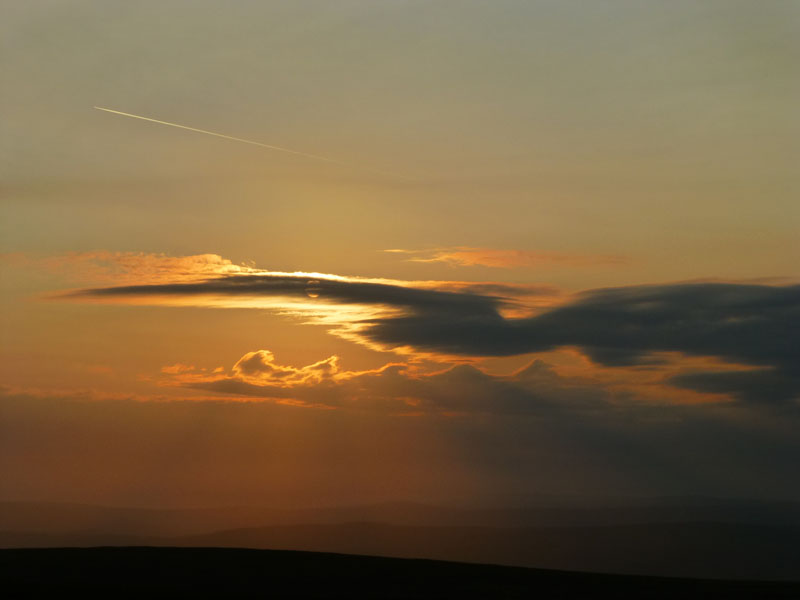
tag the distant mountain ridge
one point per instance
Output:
(727, 540)
(706, 550)
(65, 517)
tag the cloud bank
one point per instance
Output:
(400, 388)
(753, 326)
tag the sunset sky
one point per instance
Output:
(495, 251)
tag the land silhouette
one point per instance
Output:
(286, 574)
(695, 538)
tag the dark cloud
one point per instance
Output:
(755, 325)
(760, 385)
(329, 290)
(750, 324)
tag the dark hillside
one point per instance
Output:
(280, 574)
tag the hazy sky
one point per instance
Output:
(172, 300)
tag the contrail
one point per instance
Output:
(237, 139)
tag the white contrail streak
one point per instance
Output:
(236, 139)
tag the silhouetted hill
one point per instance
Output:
(718, 550)
(687, 549)
(111, 572)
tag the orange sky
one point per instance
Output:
(546, 243)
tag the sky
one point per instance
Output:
(452, 252)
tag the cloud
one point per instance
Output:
(753, 386)
(466, 256)
(745, 324)
(748, 324)
(140, 267)
(620, 326)
(399, 387)
(348, 306)
(260, 368)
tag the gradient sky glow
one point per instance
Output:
(551, 248)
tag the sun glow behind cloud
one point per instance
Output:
(211, 281)
(626, 328)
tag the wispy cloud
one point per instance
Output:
(102, 266)
(466, 256)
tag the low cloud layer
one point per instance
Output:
(399, 388)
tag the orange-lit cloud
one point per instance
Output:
(398, 388)
(741, 324)
(123, 268)
(177, 368)
(574, 385)
(260, 368)
(142, 268)
(466, 256)
(346, 305)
